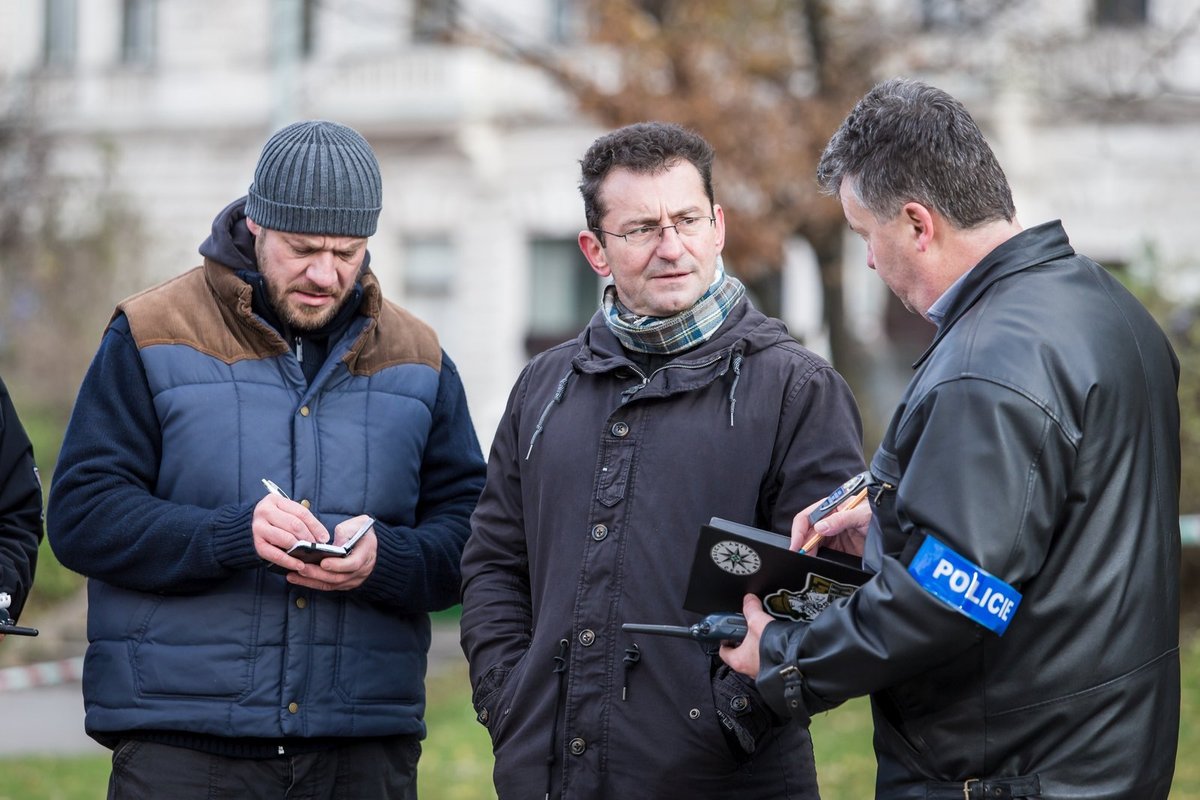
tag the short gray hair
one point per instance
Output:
(906, 141)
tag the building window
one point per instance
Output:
(564, 293)
(566, 21)
(433, 20)
(137, 32)
(308, 27)
(59, 42)
(953, 15)
(429, 266)
(1120, 13)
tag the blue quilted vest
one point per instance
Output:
(254, 656)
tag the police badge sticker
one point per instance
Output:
(817, 595)
(735, 558)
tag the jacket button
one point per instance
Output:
(694, 713)
(599, 532)
(482, 716)
(620, 429)
(577, 746)
(305, 502)
(301, 602)
(587, 637)
(739, 703)
(304, 411)
(293, 707)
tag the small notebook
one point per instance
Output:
(732, 560)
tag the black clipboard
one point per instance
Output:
(732, 560)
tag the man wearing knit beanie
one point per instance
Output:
(268, 479)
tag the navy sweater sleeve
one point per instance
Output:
(103, 518)
(20, 507)
(418, 569)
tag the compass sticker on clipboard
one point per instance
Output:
(735, 558)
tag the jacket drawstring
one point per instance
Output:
(737, 376)
(632, 656)
(560, 669)
(558, 396)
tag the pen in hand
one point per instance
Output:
(273, 488)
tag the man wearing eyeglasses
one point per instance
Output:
(679, 402)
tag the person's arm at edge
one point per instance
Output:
(20, 507)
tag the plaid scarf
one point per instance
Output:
(675, 334)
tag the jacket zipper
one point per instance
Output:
(628, 394)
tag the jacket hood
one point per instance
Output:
(230, 242)
(746, 330)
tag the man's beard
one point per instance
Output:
(301, 317)
(297, 317)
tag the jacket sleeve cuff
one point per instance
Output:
(780, 681)
(232, 542)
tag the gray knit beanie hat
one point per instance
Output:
(316, 177)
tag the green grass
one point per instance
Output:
(457, 761)
(84, 778)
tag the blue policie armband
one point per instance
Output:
(968, 589)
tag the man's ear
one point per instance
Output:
(920, 222)
(593, 251)
(719, 223)
(253, 226)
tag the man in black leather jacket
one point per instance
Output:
(1020, 636)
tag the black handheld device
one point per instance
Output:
(855, 488)
(9, 629)
(313, 552)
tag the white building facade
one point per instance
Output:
(480, 155)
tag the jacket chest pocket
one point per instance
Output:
(614, 470)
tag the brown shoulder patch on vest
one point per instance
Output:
(207, 309)
(395, 337)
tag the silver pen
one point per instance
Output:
(273, 488)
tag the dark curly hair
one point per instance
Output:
(645, 147)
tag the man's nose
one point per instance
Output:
(670, 243)
(321, 270)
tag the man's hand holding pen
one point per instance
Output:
(842, 518)
(280, 522)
